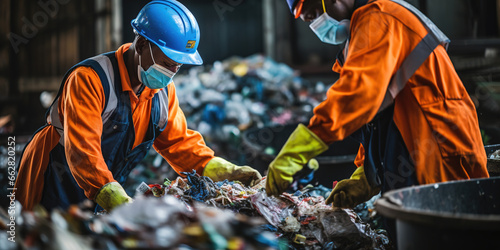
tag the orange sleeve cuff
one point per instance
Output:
(360, 157)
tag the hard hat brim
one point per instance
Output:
(179, 57)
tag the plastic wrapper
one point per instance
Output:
(274, 210)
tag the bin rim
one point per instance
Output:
(391, 207)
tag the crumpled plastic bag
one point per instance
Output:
(271, 208)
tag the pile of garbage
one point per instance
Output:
(224, 99)
(197, 213)
(165, 223)
(302, 219)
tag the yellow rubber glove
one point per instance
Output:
(349, 193)
(301, 146)
(218, 169)
(112, 195)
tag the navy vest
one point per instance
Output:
(388, 163)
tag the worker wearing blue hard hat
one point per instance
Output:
(398, 94)
(170, 26)
(111, 109)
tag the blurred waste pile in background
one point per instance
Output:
(229, 97)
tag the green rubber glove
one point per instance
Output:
(218, 169)
(349, 193)
(112, 195)
(301, 146)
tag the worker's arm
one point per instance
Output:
(183, 148)
(81, 105)
(301, 146)
(374, 55)
(350, 192)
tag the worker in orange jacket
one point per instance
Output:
(111, 109)
(398, 94)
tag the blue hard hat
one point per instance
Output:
(172, 27)
(291, 4)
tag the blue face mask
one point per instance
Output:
(157, 76)
(330, 30)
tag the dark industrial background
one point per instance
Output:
(40, 40)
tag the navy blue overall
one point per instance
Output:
(118, 136)
(387, 161)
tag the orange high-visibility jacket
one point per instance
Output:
(80, 107)
(434, 113)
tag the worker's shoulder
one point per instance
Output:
(97, 65)
(387, 7)
(388, 10)
(85, 77)
(83, 71)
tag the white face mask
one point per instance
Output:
(330, 30)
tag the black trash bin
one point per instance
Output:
(452, 215)
(261, 145)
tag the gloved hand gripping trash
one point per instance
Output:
(301, 146)
(112, 195)
(349, 193)
(219, 169)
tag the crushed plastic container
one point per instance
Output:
(452, 215)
